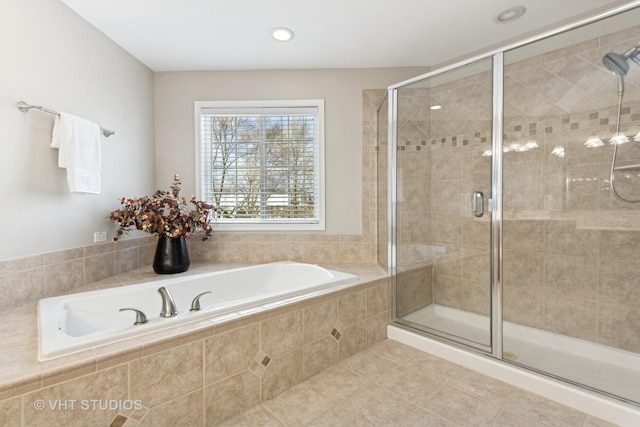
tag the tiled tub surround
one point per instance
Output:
(76, 322)
(195, 374)
(570, 264)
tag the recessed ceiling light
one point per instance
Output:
(436, 107)
(281, 34)
(510, 14)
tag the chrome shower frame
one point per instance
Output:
(495, 203)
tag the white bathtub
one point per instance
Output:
(71, 323)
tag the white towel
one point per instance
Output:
(78, 143)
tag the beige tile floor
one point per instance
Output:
(391, 384)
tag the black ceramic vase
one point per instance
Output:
(171, 255)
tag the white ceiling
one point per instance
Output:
(180, 35)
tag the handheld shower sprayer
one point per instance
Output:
(619, 64)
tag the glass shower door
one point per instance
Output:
(571, 264)
(442, 140)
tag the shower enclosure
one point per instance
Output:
(512, 227)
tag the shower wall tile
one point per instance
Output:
(447, 230)
(475, 297)
(414, 290)
(476, 173)
(414, 196)
(447, 197)
(576, 154)
(571, 276)
(523, 306)
(521, 191)
(523, 236)
(448, 164)
(621, 244)
(414, 166)
(448, 266)
(617, 220)
(570, 316)
(475, 265)
(619, 325)
(564, 237)
(447, 291)
(619, 281)
(569, 244)
(524, 270)
(476, 232)
(414, 227)
(582, 187)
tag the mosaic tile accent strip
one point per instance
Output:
(337, 331)
(260, 363)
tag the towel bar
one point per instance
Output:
(24, 107)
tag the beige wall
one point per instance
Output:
(341, 90)
(52, 57)
(101, 82)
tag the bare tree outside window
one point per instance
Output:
(261, 167)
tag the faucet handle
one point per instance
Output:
(195, 304)
(141, 318)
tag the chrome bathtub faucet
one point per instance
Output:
(168, 304)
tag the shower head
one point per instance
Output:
(618, 63)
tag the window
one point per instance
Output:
(261, 163)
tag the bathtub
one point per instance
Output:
(76, 322)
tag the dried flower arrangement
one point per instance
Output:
(165, 213)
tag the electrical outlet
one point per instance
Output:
(99, 236)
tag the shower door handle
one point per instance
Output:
(478, 204)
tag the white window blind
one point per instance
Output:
(261, 163)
